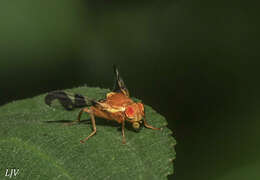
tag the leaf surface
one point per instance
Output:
(34, 140)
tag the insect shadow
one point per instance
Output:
(100, 122)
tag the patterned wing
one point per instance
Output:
(119, 84)
(68, 100)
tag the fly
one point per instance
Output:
(117, 106)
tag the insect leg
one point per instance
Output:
(87, 110)
(123, 132)
(76, 121)
(149, 126)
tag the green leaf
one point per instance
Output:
(35, 141)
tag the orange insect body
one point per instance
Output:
(118, 106)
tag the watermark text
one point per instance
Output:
(11, 172)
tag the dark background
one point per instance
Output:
(195, 62)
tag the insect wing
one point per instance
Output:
(67, 100)
(119, 84)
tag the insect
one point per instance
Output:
(117, 106)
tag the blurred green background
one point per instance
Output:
(195, 62)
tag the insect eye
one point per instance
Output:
(129, 112)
